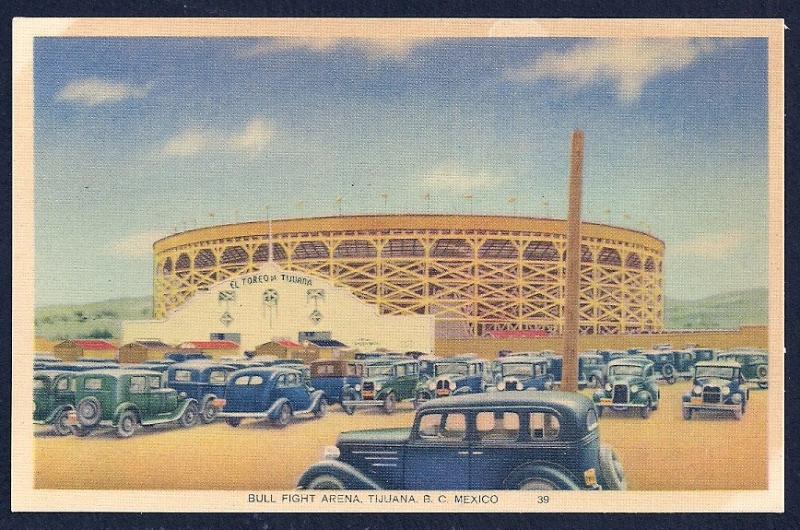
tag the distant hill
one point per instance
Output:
(94, 320)
(102, 319)
(722, 311)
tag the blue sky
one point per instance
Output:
(135, 138)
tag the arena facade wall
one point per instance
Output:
(474, 273)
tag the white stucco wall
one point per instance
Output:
(350, 320)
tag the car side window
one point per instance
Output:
(217, 377)
(291, 380)
(38, 384)
(93, 383)
(256, 380)
(537, 370)
(544, 426)
(154, 381)
(442, 427)
(62, 384)
(138, 384)
(183, 376)
(496, 427)
(242, 381)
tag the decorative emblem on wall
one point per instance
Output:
(270, 300)
(226, 318)
(227, 297)
(316, 295)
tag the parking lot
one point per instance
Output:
(665, 452)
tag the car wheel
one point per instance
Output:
(599, 411)
(209, 412)
(761, 372)
(737, 413)
(126, 425)
(687, 414)
(60, 426)
(762, 385)
(611, 469)
(536, 483)
(189, 416)
(89, 411)
(79, 430)
(326, 482)
(322, 408)
(284, 416)
(646, 410)
(389, 403)
(233, 422)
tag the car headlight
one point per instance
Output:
(331, 452)
(358, 388)
(520, 386)
(378, 386)
(432, 385)
(726, 390)
(608, 387)
(634, 389)
(548, 385)
(737, 398)
(697, 389)
(453, 386)
(500, 385)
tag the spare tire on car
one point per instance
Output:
(611, 469)
(89, 411)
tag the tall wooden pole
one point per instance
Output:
(569, 372)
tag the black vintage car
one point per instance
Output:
(502, 440)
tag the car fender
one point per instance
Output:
(316, 396)
(643, 396)
(560, 476)
(385, 391)
(58, 410)
(272, 411)
(123, 407)
(352, 477)
(206, 398)
(462, 390)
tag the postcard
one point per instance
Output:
(429, 264)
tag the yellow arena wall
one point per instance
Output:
(476, 274)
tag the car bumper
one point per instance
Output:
(243, 414)
(610, 404)
(362, 403)
(712, 406)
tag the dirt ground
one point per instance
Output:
(665, 452)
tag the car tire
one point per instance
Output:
(79, 430)
(89, 411)
(60, 426)
(646, 410)
(611, 469)
(209, 412)
(322, 408)
(599, 411)
(284, 416)
(233, 422)
(389, 403)
(668, 372)
(687, 414)
(738, 413)
(126, 424)
(189, 416)
(536, 483)
(761, 372)
(326, 482)
(762, 385)
(539, 477)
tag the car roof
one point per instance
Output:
(269, 371)
(200, 364)
(566, 403)
(524, 359)
(117, 373)
(723, 363)
(53, 373)
(630, 361)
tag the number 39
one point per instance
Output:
(543, 499)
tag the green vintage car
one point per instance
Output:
(631, 384)
(753, 362)
(53, 399)
(126, 399)
(384, 385)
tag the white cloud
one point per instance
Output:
(94, 91)
(375, 48)
(709, 246)
(628, 63)
(136, 245)
(253, 138)
(452, 177)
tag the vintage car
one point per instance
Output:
(702, 354)
(53, 399)
(717, 385)
(454, 376)
(385, 384)
(426, 365)
(200, 380)
(522, 373)
(513, 440)
(179, 356)
(590, 370)
(83, 366)
(631, 384)
(669, 365)
(45, 361)
(753, 363)
(338, 378)
(610, 355)
(275, 394)
(126, 399)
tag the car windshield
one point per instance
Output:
(451, 368)
(377, 370)
(723, 372)
(39, 384)
(625, 369)
(524, 369)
